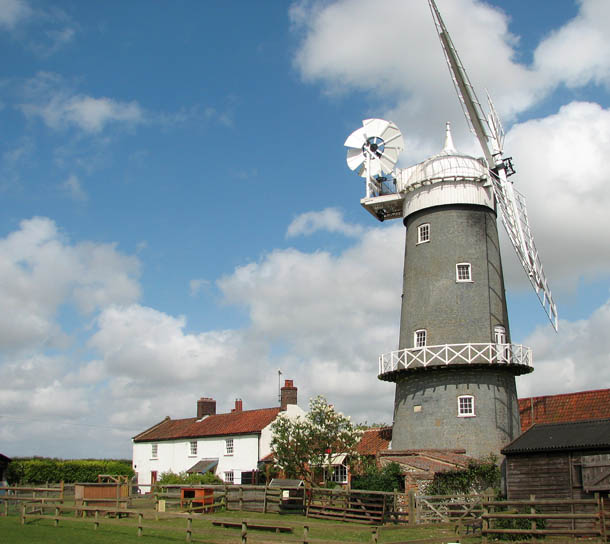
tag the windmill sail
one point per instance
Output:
(490, 135)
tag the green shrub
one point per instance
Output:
(39, 470)
(479, 476)
(171, 478)
(388, 478)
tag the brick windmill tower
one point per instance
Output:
(455, 367)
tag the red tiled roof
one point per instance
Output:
(564, 408)
(245, 422)
(431, 461)
(374, 440)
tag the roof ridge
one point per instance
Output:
(567, 394)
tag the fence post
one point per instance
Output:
(56, 520)
(485, 524)
(189, 528)
(6, 508)
(241, 498)
(305, 534)
(22, 513)
(375, 535)
(244, 532)
(412, 508)
(96, 523)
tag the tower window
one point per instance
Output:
(463, 272)
(423, 233)
(419, 338)
(466, 406)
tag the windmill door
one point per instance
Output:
(596, 472)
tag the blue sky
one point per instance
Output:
(178, 219)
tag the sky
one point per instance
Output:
(177, 219)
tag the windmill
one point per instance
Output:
(455, 367)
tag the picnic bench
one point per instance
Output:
(260, 526)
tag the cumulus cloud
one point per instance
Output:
(50, 99)
(578, 359)
(329, 220)
(40, 271)
(561, 170)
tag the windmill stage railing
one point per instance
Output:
(455, 354)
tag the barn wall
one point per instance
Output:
(545, 475)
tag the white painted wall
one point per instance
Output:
(175, 455)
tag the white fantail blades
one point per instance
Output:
(490, 134)
(374, 148)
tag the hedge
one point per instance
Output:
(40, 470)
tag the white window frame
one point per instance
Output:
(193, 448)
(154, 451)
(229, 477)
(423, 233)
(466, 408)
(229, 446)
(460, 278)
(420, 338)
(338, 475)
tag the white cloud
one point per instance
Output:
(12, 12)
(329, 219)
(52, 101)
(579, 52)
(197, 285)
(40, 271)
(561, 169)
(73, 187)
(577, 359)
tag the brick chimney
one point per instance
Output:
(239, 406)
(288, 394)
(206, 406)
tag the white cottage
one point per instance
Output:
(230, 445)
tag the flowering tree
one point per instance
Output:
(304, 443)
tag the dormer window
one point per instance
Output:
(423, 233)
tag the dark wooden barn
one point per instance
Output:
(560, 460)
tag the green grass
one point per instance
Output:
(125, 531)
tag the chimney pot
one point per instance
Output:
(239, 406)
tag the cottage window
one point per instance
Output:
(193, 446)
(229, 478)
(338, 475)
(154, 450)
(229, 446)
(420, 338)
(466, 406)
(463, 272)
(423, 233)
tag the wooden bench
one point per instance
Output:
(237, 524)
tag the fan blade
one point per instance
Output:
(516, 223)
(375, 127)
(356, 139)
(355, 157)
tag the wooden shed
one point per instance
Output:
(560, 460)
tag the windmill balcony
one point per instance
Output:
(515, 356)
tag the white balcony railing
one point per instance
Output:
(455, 354)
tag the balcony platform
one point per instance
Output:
(514, 357)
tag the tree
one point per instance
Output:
(302, 444)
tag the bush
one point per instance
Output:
(388, 478)
(171, 478)
(479, 476)
(39, 470)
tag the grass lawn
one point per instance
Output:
(173, 530)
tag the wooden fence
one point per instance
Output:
(245, 498)
(448, 508)
(571, 518)
(371, 507)
(248, 527)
